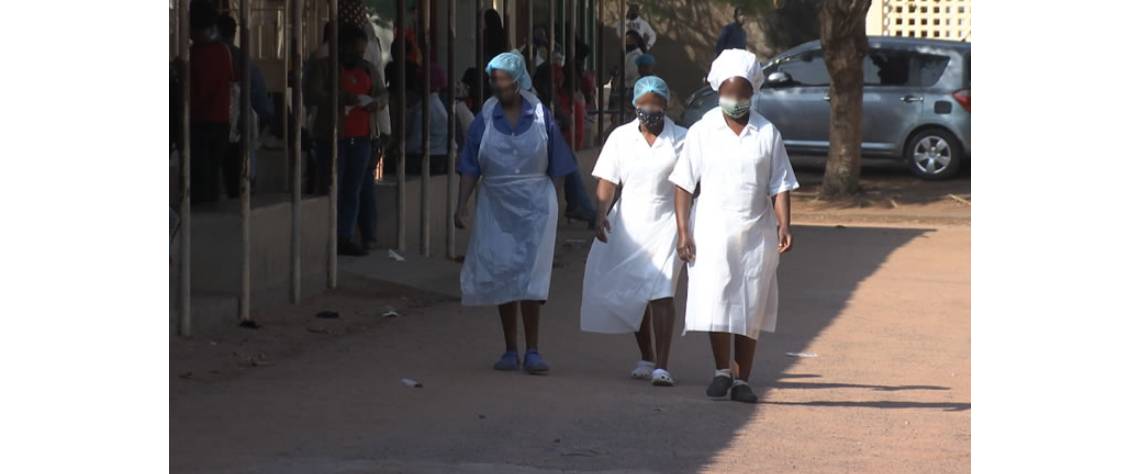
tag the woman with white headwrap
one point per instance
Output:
(632, 267)
(735, 163)
(516, 148)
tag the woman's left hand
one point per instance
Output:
(785, 244)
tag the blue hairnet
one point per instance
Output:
(652, 84)
(512, 63)
(645, 60)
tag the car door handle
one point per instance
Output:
(827, 98)
(912, 98)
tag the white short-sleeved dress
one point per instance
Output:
(732, 281)
(638, 264)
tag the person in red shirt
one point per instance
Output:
(211, 77)
(360, 94)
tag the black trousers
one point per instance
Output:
(209, 143)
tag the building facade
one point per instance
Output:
(933, 19)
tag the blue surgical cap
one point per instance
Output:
(645, 60)
(512, 63)
(652, 84)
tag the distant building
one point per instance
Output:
(934, 19)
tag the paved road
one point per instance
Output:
(885, 309)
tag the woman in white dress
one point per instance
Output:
(735, 163)
(630, 272)
(515, 148)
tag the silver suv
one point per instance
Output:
(916, 102)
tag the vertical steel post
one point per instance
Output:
(550, 53)
(297, 41)
(599, 74)
(529, 36)
(399, 116)
(480, 61)
(246, 120)
(425, 126)
(184, 326)
(570, 73)
(451, 151)
(334, 139)
(621, 68)
(507, 19)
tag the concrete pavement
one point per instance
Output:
(885, 309)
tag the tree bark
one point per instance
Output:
(843, 36)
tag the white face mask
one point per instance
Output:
(734, 108)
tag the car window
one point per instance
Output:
(806, 69)
(928, 69)
(884, 67)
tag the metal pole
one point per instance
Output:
(295, 147)
(184, 156)
(530, 47)
(334, 138)
(480, 61)
(621, 67)
(400, 116)
(599, 73)
(450, 128)
(425, 126)
(550, 53)
(247, 125)
(572, 71)
(507, 19)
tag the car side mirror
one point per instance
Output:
(778, 79)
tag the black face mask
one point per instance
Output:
(652, 119)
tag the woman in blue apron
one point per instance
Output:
(516, 148)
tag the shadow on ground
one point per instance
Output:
(341, 407)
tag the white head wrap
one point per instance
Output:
(732, 63)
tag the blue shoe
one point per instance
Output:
(534, 364)
(509, 361)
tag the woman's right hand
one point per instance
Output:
(602, 228)
(685, 248)
(461, 218)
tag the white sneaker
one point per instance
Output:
(643, 370)
(662, 378)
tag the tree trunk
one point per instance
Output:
(843, 36)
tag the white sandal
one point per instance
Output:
(662, 378)
(643, 370)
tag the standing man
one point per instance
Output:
(354, 12)
(360, 95)
(634, 21)
(258, 100)
(211, 77)
(740, 222)
(733, 36)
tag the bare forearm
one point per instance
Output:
(783, 207)
(466, 187)
(605, 194)
(559, 184)
(683, 200)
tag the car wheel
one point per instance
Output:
(934, 154)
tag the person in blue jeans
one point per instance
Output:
(368, 210)
(360, 94)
